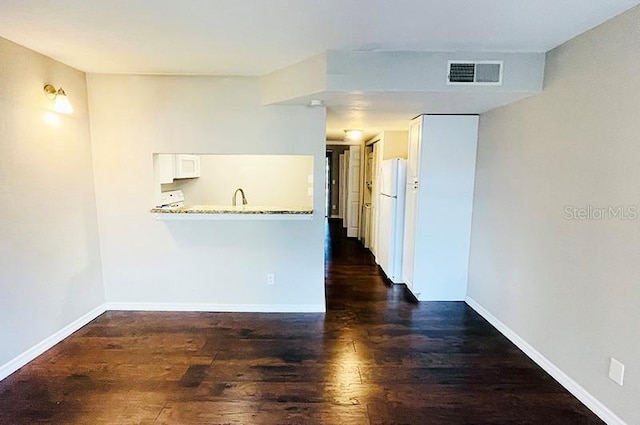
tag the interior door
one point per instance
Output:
(375, 193)
(365, 228)
(341, 186)
(411, 203)
(353, 192)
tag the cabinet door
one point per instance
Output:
(165, 168)
(187, 166)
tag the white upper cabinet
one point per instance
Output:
(187, 166)
(165, 167)
(169, 166)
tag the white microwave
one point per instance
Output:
(187, 166)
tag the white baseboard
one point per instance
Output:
(563, 379)
(221, 308)
(33, 352)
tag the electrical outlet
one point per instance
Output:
(333, 207)
(271, 279)
(309, 191)
(616, 371)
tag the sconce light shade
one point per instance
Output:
(61, 102)
(353, 134)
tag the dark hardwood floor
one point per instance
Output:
(374, 358)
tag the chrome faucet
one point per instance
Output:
(244, 199)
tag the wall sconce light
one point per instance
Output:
(353, 134)
(61, 102)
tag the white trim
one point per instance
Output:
(563, 379)
(219, 308)
(44, 345)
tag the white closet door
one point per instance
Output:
(411, 204)
(353, 192)
(341, 179)
(344, 194)
(375, 192)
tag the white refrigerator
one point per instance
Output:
(393, 176)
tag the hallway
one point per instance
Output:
(434, 363)
(373, 358)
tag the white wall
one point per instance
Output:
(395, 144)
(303, 78)
(218, 263)
(50, 273)
(267, 180)
(570, 288)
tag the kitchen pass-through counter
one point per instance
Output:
(226, 212)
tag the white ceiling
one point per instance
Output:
(255, 37)
(377, 111)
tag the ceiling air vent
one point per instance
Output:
(475, 72)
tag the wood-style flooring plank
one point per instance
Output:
(375, 358)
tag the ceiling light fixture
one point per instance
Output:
(316, 102)
(61, 102)
(353, 134)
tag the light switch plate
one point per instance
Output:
(616, 371)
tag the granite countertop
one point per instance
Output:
(228, 209)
